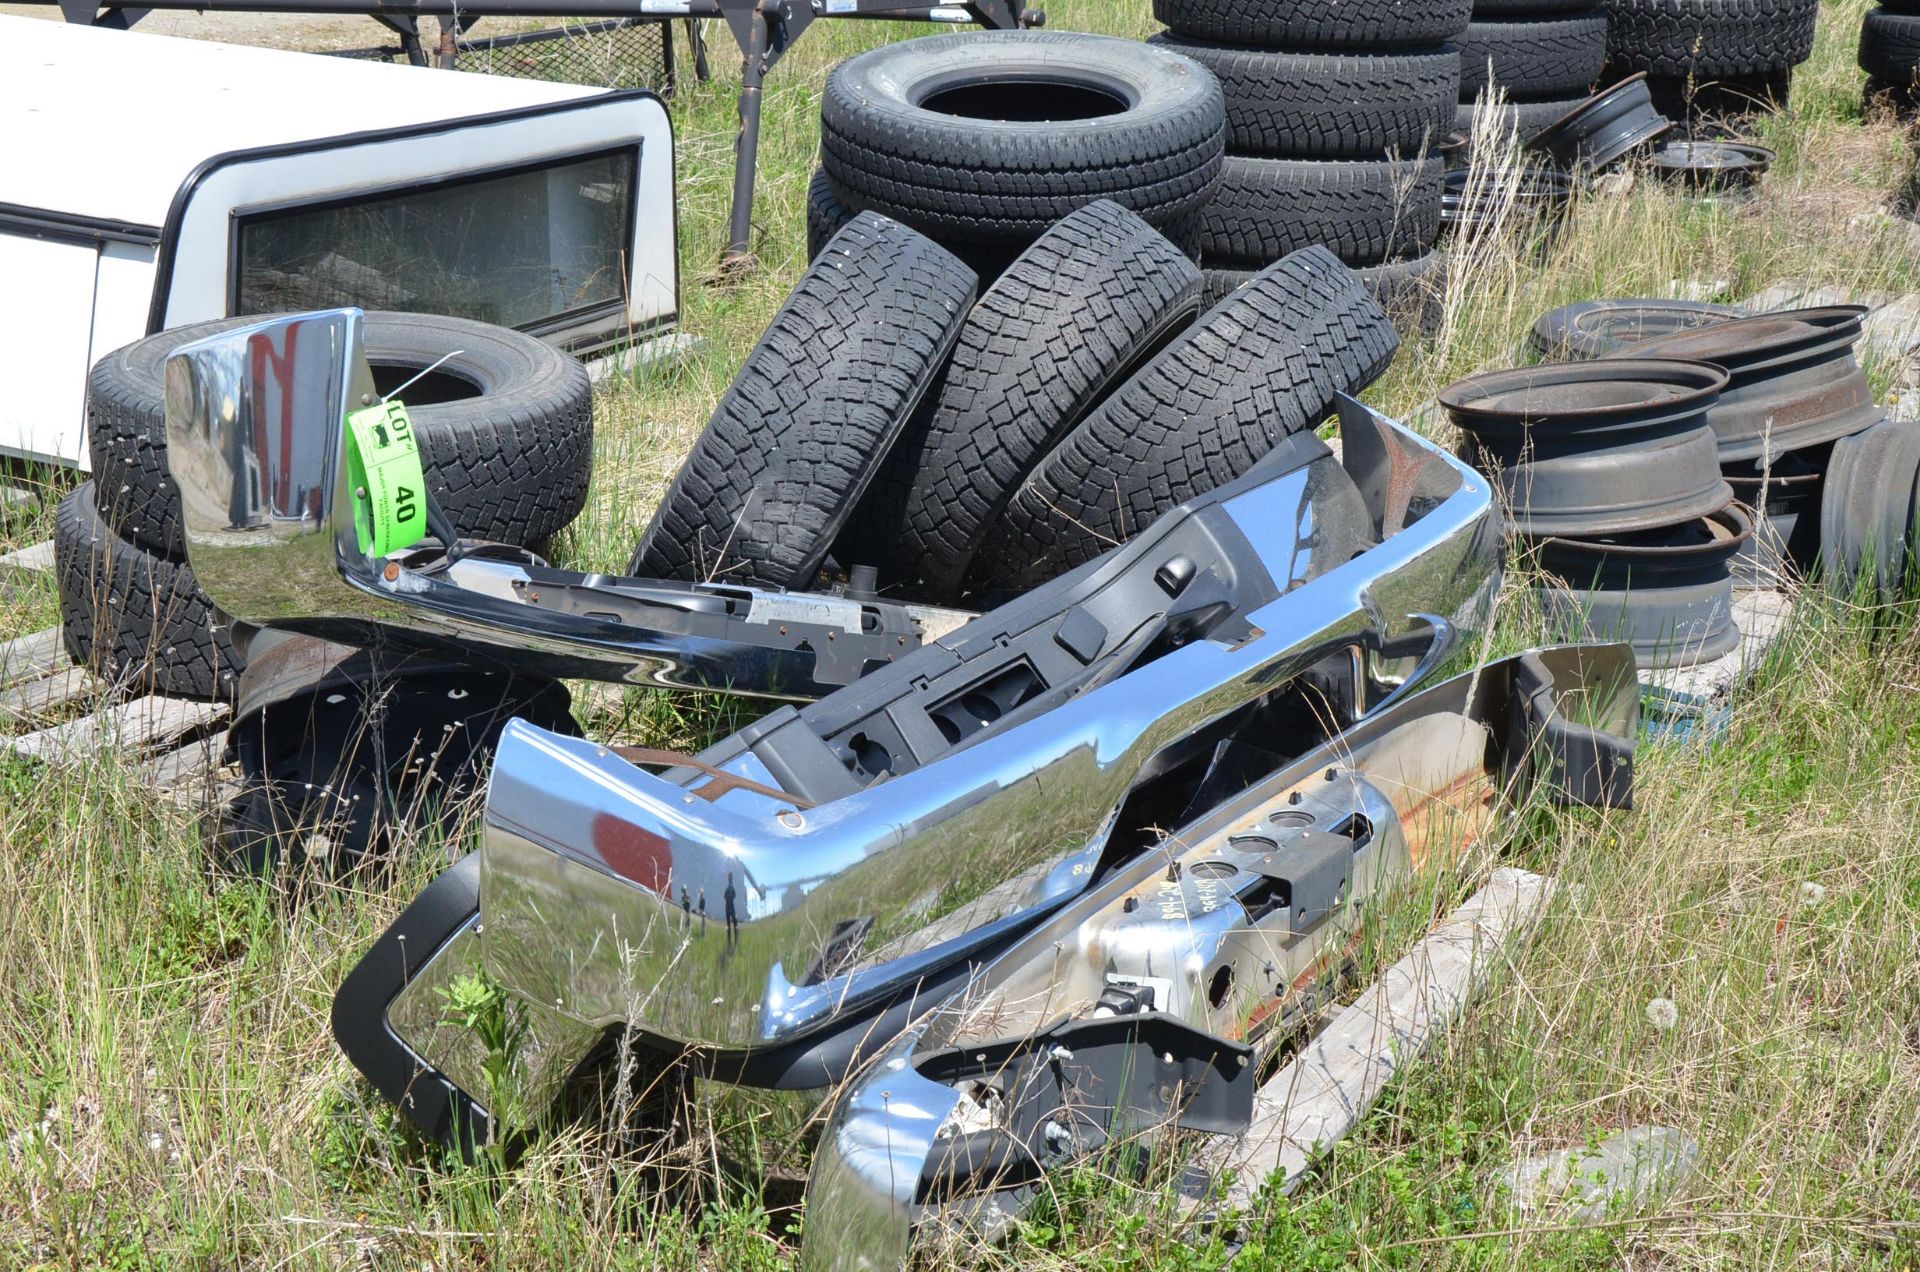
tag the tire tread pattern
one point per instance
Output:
(1044, 344)
(136, 619)
(1341, 105)
(1692, 38)
(1534, 57)
(1366, 212)
(1316, 24)
(1261, 365)
(807, 422)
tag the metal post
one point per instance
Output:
(739, 256)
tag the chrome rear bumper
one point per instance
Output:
(875, 845)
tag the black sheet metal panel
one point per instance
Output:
(1793, 380)
(1582, 448)
(1870, 509)
(1667, 593)
(1595, 328)
(1604, 129)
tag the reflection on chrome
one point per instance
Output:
(588, 862)
(256, 428)
(783, 903)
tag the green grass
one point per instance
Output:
(170, 1095)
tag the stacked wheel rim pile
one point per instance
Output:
(1651, 478)
(1890, 53)
(982, 141)
(1336, 111)
(966, 449)
(1827, 476)
(1544, 57)
(505, 425)
(1610, 471)
(1711, 57)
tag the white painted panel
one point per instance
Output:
(200, 284)
(108, 124)
(45, 332)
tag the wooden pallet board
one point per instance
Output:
(31, 657)
(186, 768)
(36, 699)
(141, 725)
(38, 556)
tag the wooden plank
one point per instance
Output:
(1320, 1096)
(30, 657)
(38, 556)
(188, 767)
(144, 724)
(33, 699)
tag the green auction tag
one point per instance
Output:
(389, 488)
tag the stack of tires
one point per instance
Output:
(968, 449)
(1890, 53)
(1336, 112)
(980, 142)
(1544, 56)
(1711, 57)
(505, 426)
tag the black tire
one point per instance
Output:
(334, 774)
(1523, 119)
(1715, 108)
(1258, 367)
(1090, 301)
(1408, 289)
(1366, 212)
(1330, 105)
(1534, 57)
(136, 619)
(505, 426)
(809, 419)
(1150, 134)
(1699, 39)
(829, 209)
(1316, 24)
(1529, 8)
(1890, 47)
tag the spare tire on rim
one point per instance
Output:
(992, 137)
(1092, 299)
(1258, 367)
(505, 426)
(808, 421)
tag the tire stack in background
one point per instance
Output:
(1890, 54)
(983, 141)
(1711, 58)
(1544, 57)
(1336, 113)
(505, 426)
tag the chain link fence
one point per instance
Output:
(599, 53)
